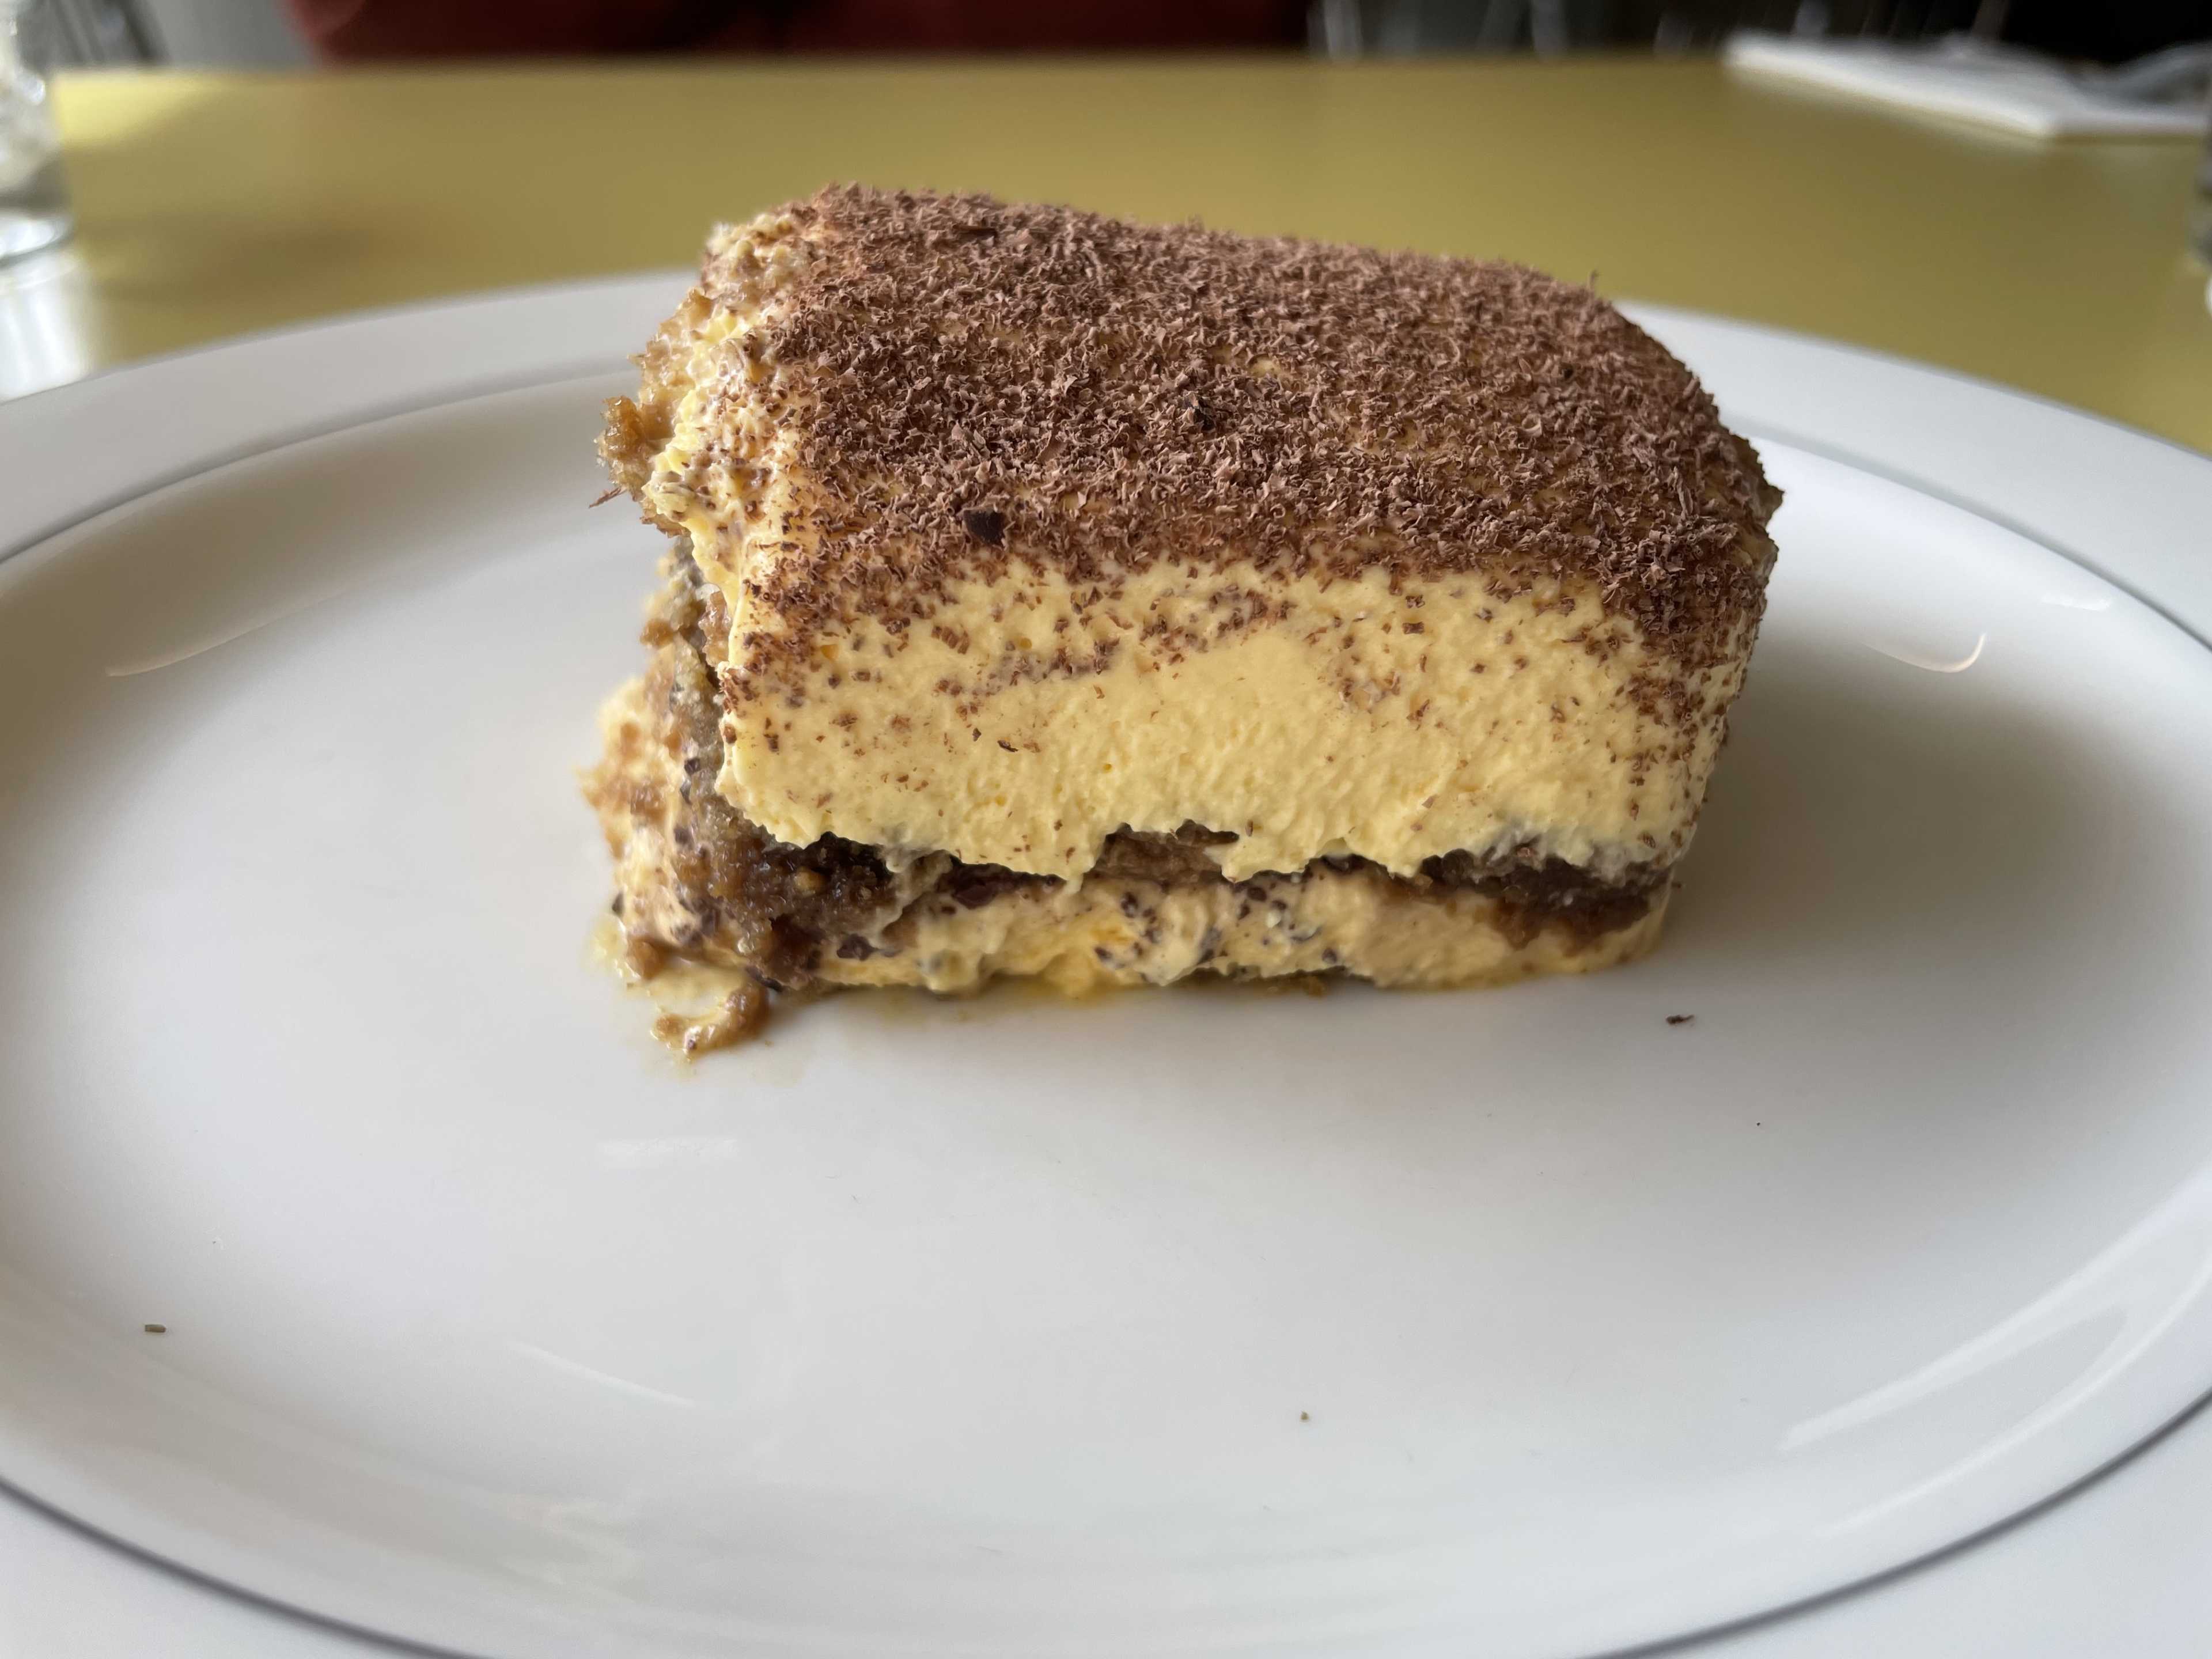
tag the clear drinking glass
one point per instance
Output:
(34, 210)
(2200, 205)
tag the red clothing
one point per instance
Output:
(542, 28)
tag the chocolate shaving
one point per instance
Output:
(987, 527)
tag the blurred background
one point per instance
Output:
(278, 32)
(2012, 188)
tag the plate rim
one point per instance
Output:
(186, 410)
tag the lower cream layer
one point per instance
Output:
(1396, 721)
(1102, 933)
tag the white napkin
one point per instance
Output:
(1966, 80)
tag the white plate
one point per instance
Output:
(1514, 1323)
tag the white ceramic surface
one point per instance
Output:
(988, 1328)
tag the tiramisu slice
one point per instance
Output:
(1050, 595)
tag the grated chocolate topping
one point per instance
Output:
(970, 383)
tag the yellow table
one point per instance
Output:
(213, 204)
